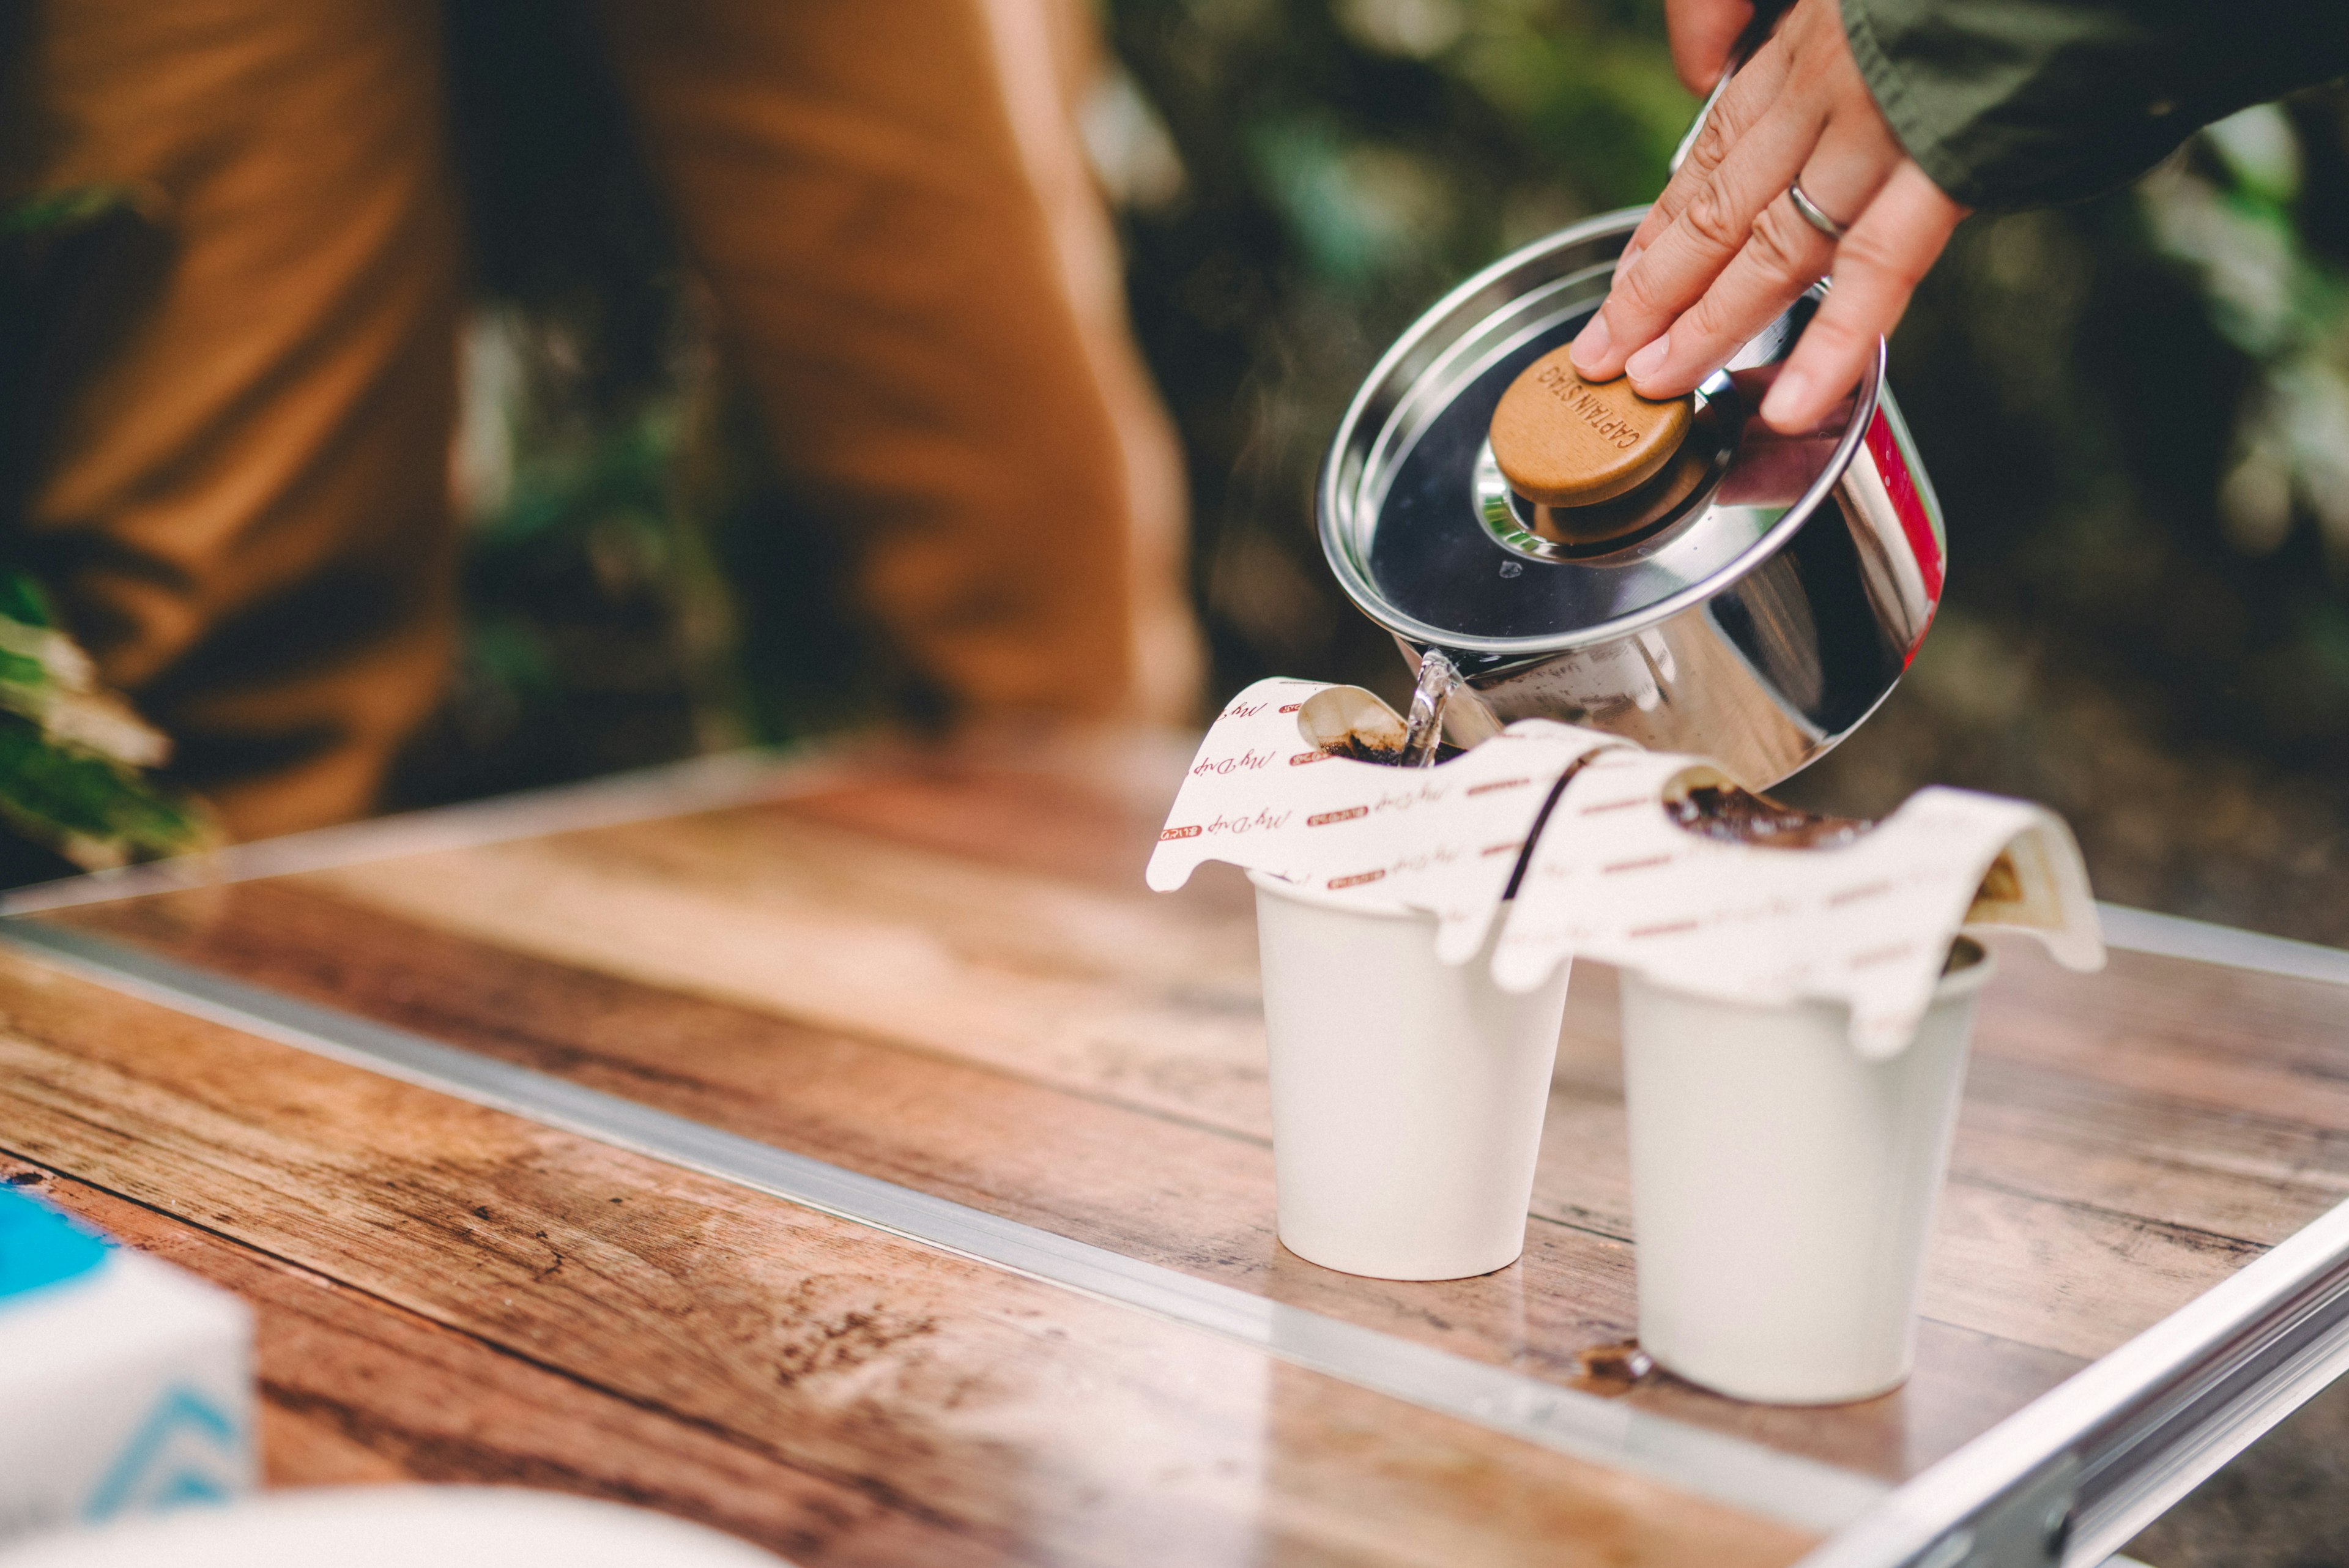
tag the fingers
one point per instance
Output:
(1878, 266)
(1782, 255)
(1746, 98)
(1785, 257)
(1704, 218)
(1724, 251)
(1702, 33)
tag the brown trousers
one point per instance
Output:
(888, 204)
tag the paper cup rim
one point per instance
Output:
(1320, 898)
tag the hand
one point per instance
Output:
(1723, 250)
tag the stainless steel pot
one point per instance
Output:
(1766, 597)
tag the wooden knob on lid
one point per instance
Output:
(1563, 441)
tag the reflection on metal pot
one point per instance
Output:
(1754, 601)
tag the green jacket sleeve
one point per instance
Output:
(2016, 103)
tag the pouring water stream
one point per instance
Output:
(1423, 731)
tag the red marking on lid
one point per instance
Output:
(1916, 522)
(1351, 812)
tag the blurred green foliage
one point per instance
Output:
(1342, 164)
(74, 759)
(77, 787)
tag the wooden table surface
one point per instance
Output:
(942, 971)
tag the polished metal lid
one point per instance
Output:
(1426, 535)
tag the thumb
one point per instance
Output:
(1702, 32)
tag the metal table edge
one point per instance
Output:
(2070, 1477)
(672, 789)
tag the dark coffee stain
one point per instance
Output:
(1734, 815)
(1617, 1367)
(1355, 748)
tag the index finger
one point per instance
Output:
(1741, 103)
(1688, 253)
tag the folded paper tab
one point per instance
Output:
(1865, 919)
(1446, 839)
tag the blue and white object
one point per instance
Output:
(125, 1387)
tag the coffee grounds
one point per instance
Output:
(1734, 815)
(1620, 1364)
(1362, 751)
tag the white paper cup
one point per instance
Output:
(1407, 1093)
(1782, 1188)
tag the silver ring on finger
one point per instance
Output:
(1812, 213)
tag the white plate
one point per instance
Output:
(397, 1527)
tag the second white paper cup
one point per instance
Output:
(1407, 1093)
(1782, 1188)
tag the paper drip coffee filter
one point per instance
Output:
(1444, 839)
(1868, 923)
(1614, 875)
